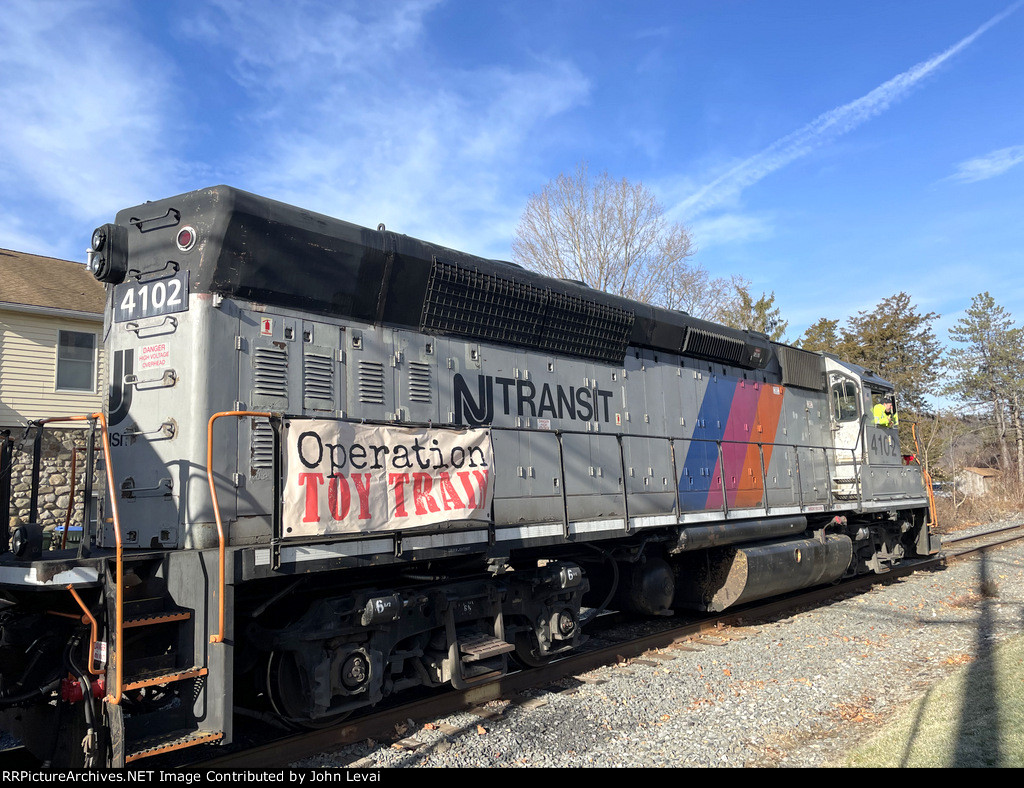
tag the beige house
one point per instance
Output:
(51, 333)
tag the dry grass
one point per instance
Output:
(1004, 502)
(975, 718)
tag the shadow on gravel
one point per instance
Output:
(978, 733)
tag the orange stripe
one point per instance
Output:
(766, 425)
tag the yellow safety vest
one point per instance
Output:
(883, 419)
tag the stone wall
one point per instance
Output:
(54, 476)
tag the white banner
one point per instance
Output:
(342, 477)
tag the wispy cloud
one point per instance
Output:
(84, 130)
(731, 228)
(371, 124)
(989, 166)
(823, 129)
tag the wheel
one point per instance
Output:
(527, 651)
(289, 698)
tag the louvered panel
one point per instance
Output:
(420, 389)
(801, 368)
(318, 377)
(713, 346)
(270, 372)
(371, 382)
(262, 445)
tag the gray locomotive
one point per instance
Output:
(342, 463)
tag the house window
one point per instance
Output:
(76, 361)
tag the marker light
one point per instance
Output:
(186, 238)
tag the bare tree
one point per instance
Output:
(611, 235)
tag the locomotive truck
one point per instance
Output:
(341, 463)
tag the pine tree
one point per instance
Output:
(822, 336)
(760, 315)
(988, 373)
(897, 343)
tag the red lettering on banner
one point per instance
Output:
(337, 486)
(362, 483)
(467, 485)
(449, 497)
(481, 482)
(312, 482)
(421, 485)
(398, 482)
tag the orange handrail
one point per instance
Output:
(92, 627)
(927, 478)
(114, 698)
(219, 637)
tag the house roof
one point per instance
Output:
(33, 280)
(986, 472)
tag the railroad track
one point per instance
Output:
(958, 547)
(285, 749)
(382, 725)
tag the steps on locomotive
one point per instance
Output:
(159, 676)
(846, 482)
(157, 632)
(478, 647)
(170, 742)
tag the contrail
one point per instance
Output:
(824, 128)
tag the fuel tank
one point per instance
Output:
(722, 577)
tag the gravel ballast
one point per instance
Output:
(796, 692)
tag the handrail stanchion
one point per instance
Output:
(219, 637)
(93, 630)
(115, 653)
(725, 492)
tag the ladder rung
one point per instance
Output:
(483, 646)
(166, 678)
(157, 618)
(176, 740)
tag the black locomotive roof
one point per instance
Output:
(258, 249)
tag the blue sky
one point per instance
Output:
(833, 152)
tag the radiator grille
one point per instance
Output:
(701, 343)
(469, 303)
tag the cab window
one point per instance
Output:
(844, 401)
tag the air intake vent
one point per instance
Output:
(262, 448)
(318, 378)
(801, 368)
(578, 327)
(371, 382)
(419, 382)
(270, 372)
(713, 347)
(470, 303)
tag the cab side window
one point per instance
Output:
(844, 401)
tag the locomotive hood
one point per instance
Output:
(243, 246)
